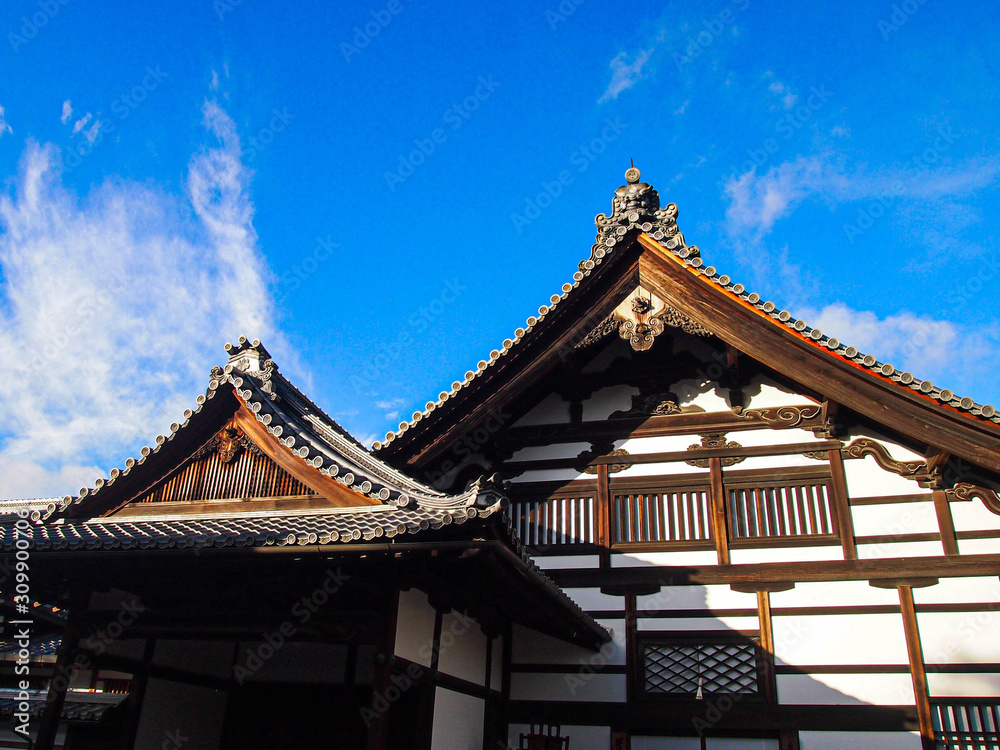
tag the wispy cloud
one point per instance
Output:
(113, 306)
(624, 75)
(67, 112)
(81, 123)
(4, 126)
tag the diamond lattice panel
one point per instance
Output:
(720, 668)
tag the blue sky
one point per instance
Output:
(372, 190)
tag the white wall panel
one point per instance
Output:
(959, 591)
(555, 450)
(697, 597)
(763, 392)
(585, 686)
(894, 519)
(846, 689)
(172, 708)
(974, 516)
(840, 639)
(659, 444)
(979, 546)
(785, 554)
(680, 557)
(779, 462)
(463, 649)
(415, 627)
(899, 549)
(865, 478)
(722, 624)
(553, 409)
(960, 637)
(592, 599)
(767, 436)
(554, 562)
(859, 740)
(608, 400)
(958, 685)
(458, 721)
(834, 594)
(531, 647)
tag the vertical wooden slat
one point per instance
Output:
(917, 670)
(949, 541)
(842, 505)
(718, 502)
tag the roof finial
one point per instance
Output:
(632, 174)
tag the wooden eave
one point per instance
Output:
(757, 334)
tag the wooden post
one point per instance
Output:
(604, 522)
(633, 657)
(378, 730)
(136, 693)
(917, 670)
(945, 523)
(717, 498)
(58, 684)
(842, 505)
(767, 646)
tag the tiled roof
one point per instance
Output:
(636, 207)
(79, 706)
(300, 426)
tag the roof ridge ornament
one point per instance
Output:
(636, 205)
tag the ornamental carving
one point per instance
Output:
(642, 316)
(861, 447)
(651, 405)
(966, 491)
(713, 440)
(636, 205)
(612, 468)
(782, 417)
(227, 445)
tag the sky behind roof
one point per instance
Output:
(382, 192)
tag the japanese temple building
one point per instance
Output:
(665, 513)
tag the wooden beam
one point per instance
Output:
(842, 505)
(917, 670)
(717, 498)
(328, 487)
(764, 338)
(603, 511)
(945, 522)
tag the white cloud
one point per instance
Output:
(81, 123)
(67, 112)
(4, 127)
(214, 85)
(624, 75)
(114, 305)
(91, 133)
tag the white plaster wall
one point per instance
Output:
(786, 554)
(834, 594)
(554, 450)
(697, 597)
(415, 627)
(894, 519)
(720, 624)
(591, 600)
(859, 740)
(674, 468)
(960, 591)
(553, 475)
(839, 639)
(580, 738)
(688, 394)
(296, 662)
(768, 436)
(214, 658)
(531, 647)
(550, 410)
(979, 546)
(496, 665)
(680, 557)
(578, 686)
(603, 403)
(899, 549)
(458, 721)
(974, 516)
(846, 689)
(960, 637)
(556, 562)
(958, 685)
(779, 462)
(865, 478)
(196, 713)
(659, 444)
(772, 394)
(463, 649)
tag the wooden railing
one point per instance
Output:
(780, 510)
(556, 520)
(677, 515)
(967, 724)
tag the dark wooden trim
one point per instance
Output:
(382, 677)
(917, 670)
(718, 500)
(137, 693)
(766, 645)
(780, 572)
(802, 540)
(979, 534)
(633, 658)
(48, 726)
(568, 668)
(945, 523)
(923, 536)
(892, 499)
(842, 505)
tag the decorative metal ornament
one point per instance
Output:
(712, 440)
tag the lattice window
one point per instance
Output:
(969, 725)
(680, 515)
(780, 511)
(682, 669)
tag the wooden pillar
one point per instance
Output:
(378, 731)
(136, 693)
(945, 523)
(604, 521)
(717, 499)
(52, 713)
(842, 505)
(917, 670)
(633, 657)
(767, 646)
